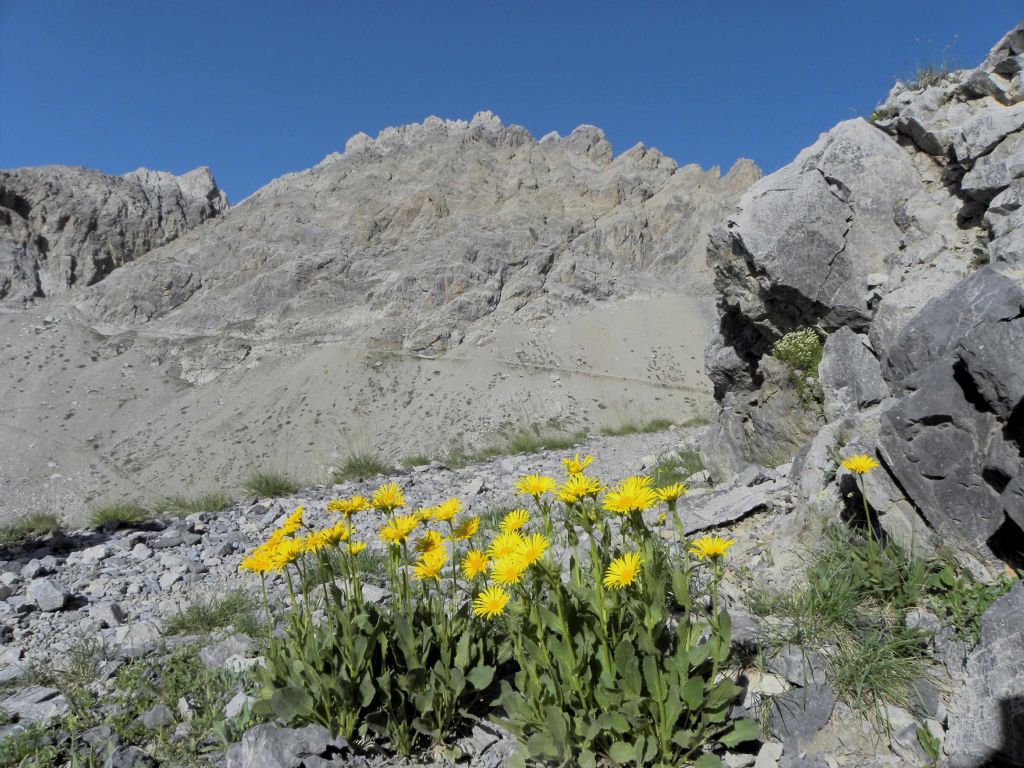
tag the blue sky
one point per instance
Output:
(255, 89)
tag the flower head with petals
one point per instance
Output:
(490, 603)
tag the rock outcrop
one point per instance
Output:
(62, 227)
(898, 241)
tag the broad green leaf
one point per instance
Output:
(291, 702)
(621, 752)
(693, 692)
(480, 677)
(708, 761)
(742, 730)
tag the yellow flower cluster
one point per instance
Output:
(279, 550)
(634, 494)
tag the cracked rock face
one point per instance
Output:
(987, 724)
(885, 229)
(63, 227)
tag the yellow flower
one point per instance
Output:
(466, 529)
(314, 542)
(577, 487)
(348, 507)
(257, 562)
(508, 570)
(672, 492)
(514, 520)
(710, 547)
(474, 563)
(292, 522)
(491, 602)
(533, 548)
(388, 498)
(861, 463)
(337, 533)
(428, 542)
(424, 513)
(535, 485)
(430, 565)
(285, 552)
(634, 494)
(505, 544)
(356, 547)
(576, 465)
(622, 571)
(447, 510)
(398, 529)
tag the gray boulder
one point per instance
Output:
(35, 703)
(850, 376)
(48, 594)
(948, 457)
(799, 713)
(986, 717)
(985, 296)
(270, 746)
(995, 171)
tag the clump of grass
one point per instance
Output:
(853, 609)
(203, 615)
(676, 467)
(270, 483)
(695, 421)
(27, 529)
(638, 427)
(184, 506)
(928, 75)
(531, 439)
(415, 460)
(359, 466)
(124, 513)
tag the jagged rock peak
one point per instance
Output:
(585, 140)
(63, 226)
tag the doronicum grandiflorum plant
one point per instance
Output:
(406, 673)
(600, 657)
(617, 665)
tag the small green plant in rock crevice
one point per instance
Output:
(801, 351)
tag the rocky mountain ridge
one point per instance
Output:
(63, 227)
(461, 272)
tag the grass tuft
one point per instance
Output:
(125, 513)
(28, 529)
(270, 483)
(360, 466)
(415, 460)
(638, 427)
(676, 467)
(204, 615)
(183, 506)
(522, 440)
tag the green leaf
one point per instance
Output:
(693, 692)
(621, 752)
(480, 677)
(291, 702)
(367, 690)
(742, 730)
(517, 760)
(708, 761)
